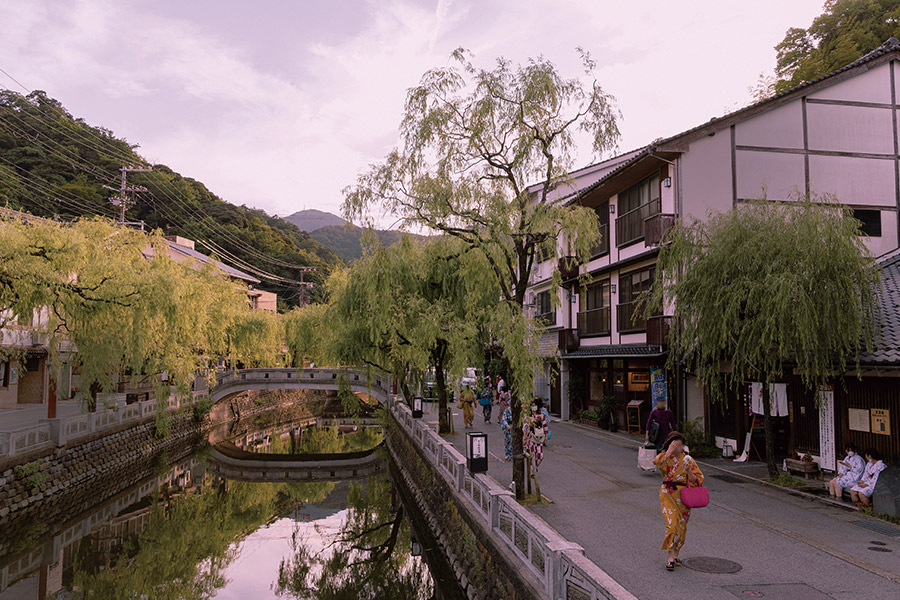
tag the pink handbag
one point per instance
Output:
(695, 497)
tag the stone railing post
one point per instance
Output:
(496, 495)
(556, 585)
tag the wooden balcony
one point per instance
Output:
(594, 322)
(568, 269)
(658, 330)
(656, 227)
(568, 340)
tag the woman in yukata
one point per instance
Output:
(678, 470)
(506, 423)
(850, 470)
(861, 493)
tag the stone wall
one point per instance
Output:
(483, 568)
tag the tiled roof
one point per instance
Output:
(891, 45)
(618, 351)
(887, 351)
(199, 256)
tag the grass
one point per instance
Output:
(884, 517)
(786, 480)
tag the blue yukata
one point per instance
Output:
(848, 476)
(506, 425)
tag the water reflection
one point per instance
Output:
(186, 534)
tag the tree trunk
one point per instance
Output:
(770, 429)
(438, 355)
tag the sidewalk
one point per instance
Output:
(786, 545)
(27, 415)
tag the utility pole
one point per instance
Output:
(305, 284)
(123, 201)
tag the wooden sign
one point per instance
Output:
(858, 419)
(881, 421)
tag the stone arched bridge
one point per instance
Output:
(233, 463)
(377, 385)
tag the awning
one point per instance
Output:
(617, 351)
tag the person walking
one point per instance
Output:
(486, 399)
(543, 410)
(660, 424)
(467, 400)
(678, 470)
(506, 425)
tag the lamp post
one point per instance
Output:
(476, 452)
(417, 407)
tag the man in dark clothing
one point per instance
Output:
(666, 420)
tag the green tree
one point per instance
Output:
(472, 141)
(766, 288)
(846, 30)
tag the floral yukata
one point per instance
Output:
(506, 425)
(848, 476)
(532, 448)
(675, 470)
(870, 478)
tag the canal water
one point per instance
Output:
(193, 535)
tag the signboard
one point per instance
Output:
(881, 421)
(638, 381)
(476, 452)
(858, 418)
(657, 384)
(826, 428)
(478, 449)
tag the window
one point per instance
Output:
(637, 203)
(870, 222)
(545, 251)
(603, 216)
(594, 316)
(632, 288)
(545, 308)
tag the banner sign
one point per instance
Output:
(658, 384)
(827, 448)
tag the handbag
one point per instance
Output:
(484, 401)
(645, 458)
(653, 432)
(695, 497)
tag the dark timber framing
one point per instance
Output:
(733, 169)
(896, 146)
(806, 186)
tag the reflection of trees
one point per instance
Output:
(327, 440)
(369, 558)
(189, 541)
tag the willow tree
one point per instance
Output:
(472, 140)
(111, 300)
(411, 308)
(766, 289)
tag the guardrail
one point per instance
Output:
(378, 384)
(558, 564)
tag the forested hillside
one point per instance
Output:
(346, 240)
(55, 165)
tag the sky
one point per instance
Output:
(279, 104)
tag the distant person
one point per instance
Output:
(506, 425)
(486, 399)
(850, 471)
(664, 421)
(501, 385)
(861, 493)
(678, 470)
(467, 401)
(534, 435)
(540, 404)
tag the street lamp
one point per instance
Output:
(476, 452)
(417, 407)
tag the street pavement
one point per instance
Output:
(788, 547)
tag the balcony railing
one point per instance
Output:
(630, 225)
(603, 247)
(547, 319)
(594, 322)
(658, 330)
(568, 340)
(629, 319)
(656, 227)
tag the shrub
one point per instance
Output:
(787, 480)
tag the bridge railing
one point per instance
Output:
(359, 380)
(558, 564)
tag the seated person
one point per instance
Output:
(850, 470)
(865, 487)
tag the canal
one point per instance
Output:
(186, 532)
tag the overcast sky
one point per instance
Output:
(279, 104)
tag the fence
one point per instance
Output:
(559, 565)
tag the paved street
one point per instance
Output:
(24, 416)
(788, 547)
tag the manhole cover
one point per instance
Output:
(730, 478)
(885, 529)
(879, 549)
(708, 564)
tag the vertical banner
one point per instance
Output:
(826, 428)
(658, 384)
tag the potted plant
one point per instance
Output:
(805, 465)
(608, 413)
